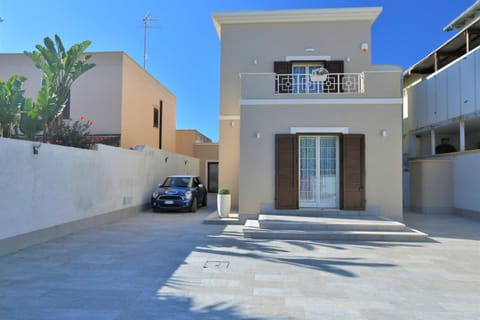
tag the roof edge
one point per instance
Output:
(299, 15)
(464, 18)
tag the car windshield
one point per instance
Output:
(178, 182)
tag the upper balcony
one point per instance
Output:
(308, 84)
(381, 83)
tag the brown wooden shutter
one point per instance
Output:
(353, 172)
(335, 66)
(286, 171)
(283, 84)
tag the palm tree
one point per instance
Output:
(60, 69)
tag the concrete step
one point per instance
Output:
(315, 212)
(252, 229)
(364, 223)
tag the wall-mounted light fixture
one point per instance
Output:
(232, 124)
(309, 49)
(257, 135)
(166, 159)
(348, 59)
(364, 46)
(186, 161)
(254, 61)
(36, 148)
(383, 133)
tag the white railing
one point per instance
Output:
(332, 83)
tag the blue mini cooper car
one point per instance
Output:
(179, 193)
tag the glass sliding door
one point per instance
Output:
(318, 171)
(301, 79)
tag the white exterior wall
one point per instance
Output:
(466, 175)
(449, 93)
(64, 184)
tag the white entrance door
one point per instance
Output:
(318, 171)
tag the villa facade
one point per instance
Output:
(306, 120)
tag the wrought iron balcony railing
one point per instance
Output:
(331, 83)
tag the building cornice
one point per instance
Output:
(369, 14)
(327, 101)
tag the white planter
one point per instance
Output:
(319, 74)
(223, 205)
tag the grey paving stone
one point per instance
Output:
(172, 266)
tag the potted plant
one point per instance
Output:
(319, 74)
(223, 202)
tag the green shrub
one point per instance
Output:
(72, 135)
(224, 191)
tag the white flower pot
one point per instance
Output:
(223, 205)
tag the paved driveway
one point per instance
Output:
(171, 266)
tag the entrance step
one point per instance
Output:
(331, 229)
(328, 223)
(318, 213)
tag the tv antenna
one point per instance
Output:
(146, 25)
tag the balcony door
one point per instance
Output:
(301, 79)
(318, 163)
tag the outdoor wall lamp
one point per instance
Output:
(364, 46)
(166, 159)
(309, 49)
(257, 135)
(232, 124)
(36, 148)
(186, 161)
(383, 133)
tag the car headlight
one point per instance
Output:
(188, 195)
(155, 194)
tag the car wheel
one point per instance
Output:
(193, 207)
(204, 201)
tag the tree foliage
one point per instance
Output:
(60, 69)
(11, 101)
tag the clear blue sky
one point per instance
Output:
(183, 40)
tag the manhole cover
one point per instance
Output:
(216, 264)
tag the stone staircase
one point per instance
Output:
(330, 226)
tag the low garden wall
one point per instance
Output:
(465, 177)
(61, 189)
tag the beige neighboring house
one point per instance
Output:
(193, 143)
(442, 122)
(123, 100)
(306, 120)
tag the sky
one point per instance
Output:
(182, 40)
